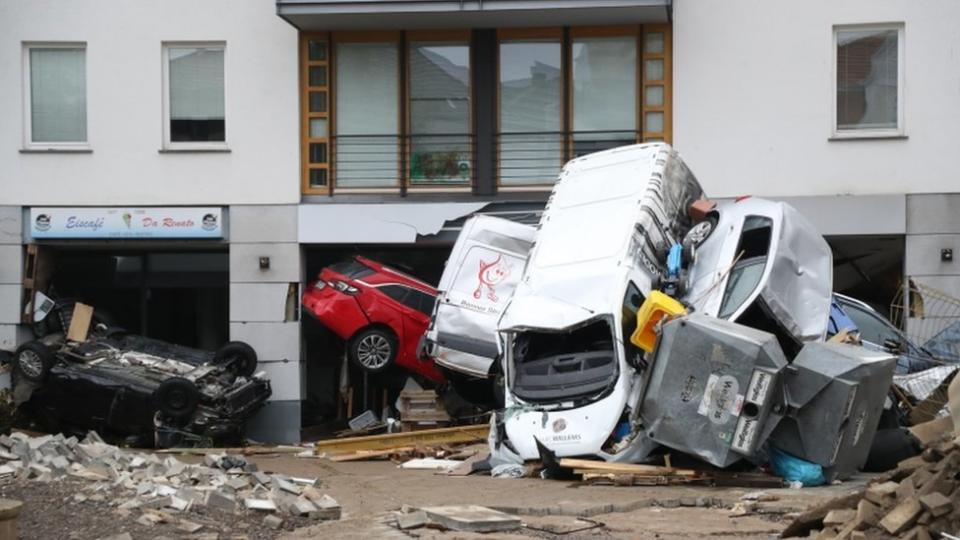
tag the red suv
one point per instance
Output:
(380, 312)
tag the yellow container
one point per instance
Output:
(654, 309)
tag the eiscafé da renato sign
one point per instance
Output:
(113, 222)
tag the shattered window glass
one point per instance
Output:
(867, 78)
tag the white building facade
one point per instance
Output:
(150, 152)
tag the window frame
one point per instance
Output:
(192, 146)
(867, 133)
(28, 143)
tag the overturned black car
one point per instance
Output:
(149, 392)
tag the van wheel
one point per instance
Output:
(33, 361)
(373, 349)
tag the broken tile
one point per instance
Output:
(272, 522)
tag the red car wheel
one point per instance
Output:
(373, 349)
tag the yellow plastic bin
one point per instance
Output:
(654, 309)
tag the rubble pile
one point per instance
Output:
(918, 500)
(159, 488)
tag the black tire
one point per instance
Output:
(699, 233)
(33, 361)
(373, 349)
(242, 356)
(177, 398)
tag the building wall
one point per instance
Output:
(753, 98)
(124, 112)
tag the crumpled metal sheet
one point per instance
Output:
(799, 288)
(921, 384)
(946, 344)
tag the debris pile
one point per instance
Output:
(160, 487)
(916, 500)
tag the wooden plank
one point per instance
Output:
(458, 434)
(370, 454)
(623, 468)
(80, 323)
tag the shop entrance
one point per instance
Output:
(172, 294)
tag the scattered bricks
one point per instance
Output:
(906, 490)
(936, 504)
(159, 502)
(211, 460)
(284, 485)
(238, 483)
(272, 522)
(839, 517)
(925, 518)
(911, 464)
(327, 508)
(917, 533)
(222, 501)
(412, 520)
(6, 470)
(260, 478)
(178, 504)
(303, 507)
(858, 535)
(880, 494)
(260, 504)
(920, 477)
(868, 515)
(189, 526)
(903, 516)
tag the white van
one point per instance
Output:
(482, 272)
(572, 375)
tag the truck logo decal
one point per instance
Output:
(559, 425)
(491, 274)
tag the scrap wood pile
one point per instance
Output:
(919, 499)
(629, 474)
(163, 490)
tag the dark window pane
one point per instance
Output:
(318, 178)
(353, 269)
(317, 50)
(197, 130)
(318, 102)
(867, 78)
(318, 152)
(396, 292)
(318, 76)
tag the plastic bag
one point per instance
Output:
(793, 469)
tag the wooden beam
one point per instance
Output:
(458, 434)
(624, 468)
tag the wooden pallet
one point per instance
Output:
(421, 409)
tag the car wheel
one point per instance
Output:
(33, 361)
(177, 397)
(373, 349)
(242, 358)
(699, 232)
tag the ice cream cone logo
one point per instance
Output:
(127, 218)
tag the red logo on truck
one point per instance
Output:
(491, 274)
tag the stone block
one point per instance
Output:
(937, 504)
(272, 522)
(411, 520)
(221, 501)
(472, 518)
(902, 517)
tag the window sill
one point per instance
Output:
(867, 136)
(86, 150)
(195, 150)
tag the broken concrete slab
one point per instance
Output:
(411, 520)
(327, 508)
(272, 522)
(471, 518)
(189, 526)
(937, 504)
(260, 504)
(222, 501)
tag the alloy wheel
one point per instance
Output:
(373, 351)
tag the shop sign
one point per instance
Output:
(133, 223)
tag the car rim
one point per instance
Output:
(30, 363)
(700, 232)
(373, 351)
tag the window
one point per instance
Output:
(55, 88)
(872, 328)
(604, 93)
(440, 142)
(531, 147)
(396, 292)
(194, 105)
(316, 97)
(368, 114)
(869, 80)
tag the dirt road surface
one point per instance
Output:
(371, 492)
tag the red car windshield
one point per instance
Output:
(353, 269)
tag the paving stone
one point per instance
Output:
(881, 494)
(217, 499)
(868, 514)
(260, 504)
(285, 485)
(472, 518)
(327, 508)
(902, 516)
(839, 517)
(272, 522)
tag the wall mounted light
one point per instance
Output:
(946, 255)
(264, 263)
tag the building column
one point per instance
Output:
(933, 225)
(260, 310)
(11, 276)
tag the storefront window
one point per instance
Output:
(531, 142)
(440, 141)
(367, 108)
(604, 93)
